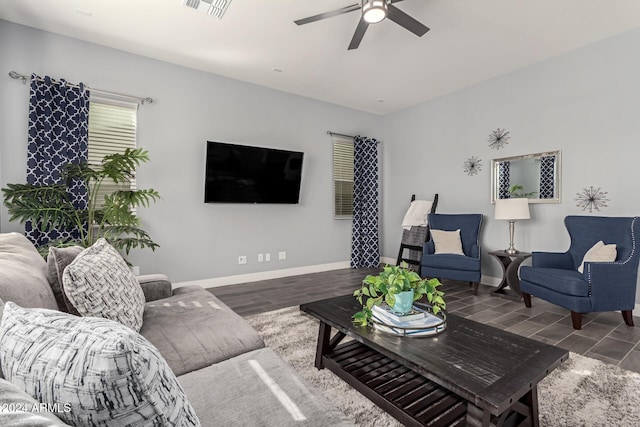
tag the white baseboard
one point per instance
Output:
(263, 275)
(387, 260)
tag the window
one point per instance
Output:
(112, 129)
(343, 177)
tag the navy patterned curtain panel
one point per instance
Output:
(365, 247)
(547, 173)
(504, 179)
(58, 131)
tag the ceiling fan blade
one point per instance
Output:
(404, 20)
(357, 36)
(326, 15)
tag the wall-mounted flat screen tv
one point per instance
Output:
(246, 174)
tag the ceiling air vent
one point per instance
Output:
(215, 8)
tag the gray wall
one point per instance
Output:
(198, 240)
(585, 103)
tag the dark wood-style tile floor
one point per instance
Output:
(603, 336)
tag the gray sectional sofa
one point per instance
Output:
(228, 375)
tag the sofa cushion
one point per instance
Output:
(99, 283)
(57, 260)
(568, 282)
(106, 373)
(271, 393)
(194, 329)
(18, 409)
(23, 273)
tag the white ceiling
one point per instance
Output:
(470, 41)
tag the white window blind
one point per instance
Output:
(112, 129)
(343, 177)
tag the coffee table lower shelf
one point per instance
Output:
(406, 395)
(409, 397)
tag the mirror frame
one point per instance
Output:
(558, 180)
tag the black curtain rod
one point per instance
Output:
(342, 134)
(25, 79)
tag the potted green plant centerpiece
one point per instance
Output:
(398, 287)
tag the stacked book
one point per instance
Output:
(417, 322)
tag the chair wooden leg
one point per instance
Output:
(627, 315)
(527, 299)
(576, 319)
(475, 287)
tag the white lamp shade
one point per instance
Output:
(512, 209)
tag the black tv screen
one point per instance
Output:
(245, 174)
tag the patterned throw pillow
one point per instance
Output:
(99, 372)
(99, 283)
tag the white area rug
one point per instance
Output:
(581, 392)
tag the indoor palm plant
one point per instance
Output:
(389, 284)
(111, 216)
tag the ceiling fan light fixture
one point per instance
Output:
(374, 11)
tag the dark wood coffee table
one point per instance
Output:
(471, 374)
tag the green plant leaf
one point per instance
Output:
(360, 318)
(390, 299)
(372, 291)
(45, 206)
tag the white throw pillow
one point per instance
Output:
(599, 253)
(97, 371)
(447, 242)
(99, 283)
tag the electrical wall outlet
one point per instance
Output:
(260, 257)
(242, 259)
(282, 255)
(267, 257)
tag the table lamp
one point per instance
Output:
(512, 210)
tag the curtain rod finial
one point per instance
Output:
(17, 76)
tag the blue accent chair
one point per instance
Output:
(602, 286)
(449, 266)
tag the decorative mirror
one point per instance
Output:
(534, 176)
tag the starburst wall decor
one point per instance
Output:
(499, 138)
(592, 198)
(473, 165)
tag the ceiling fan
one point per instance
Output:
(373, 11)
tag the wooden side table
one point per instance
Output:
(510, 264)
